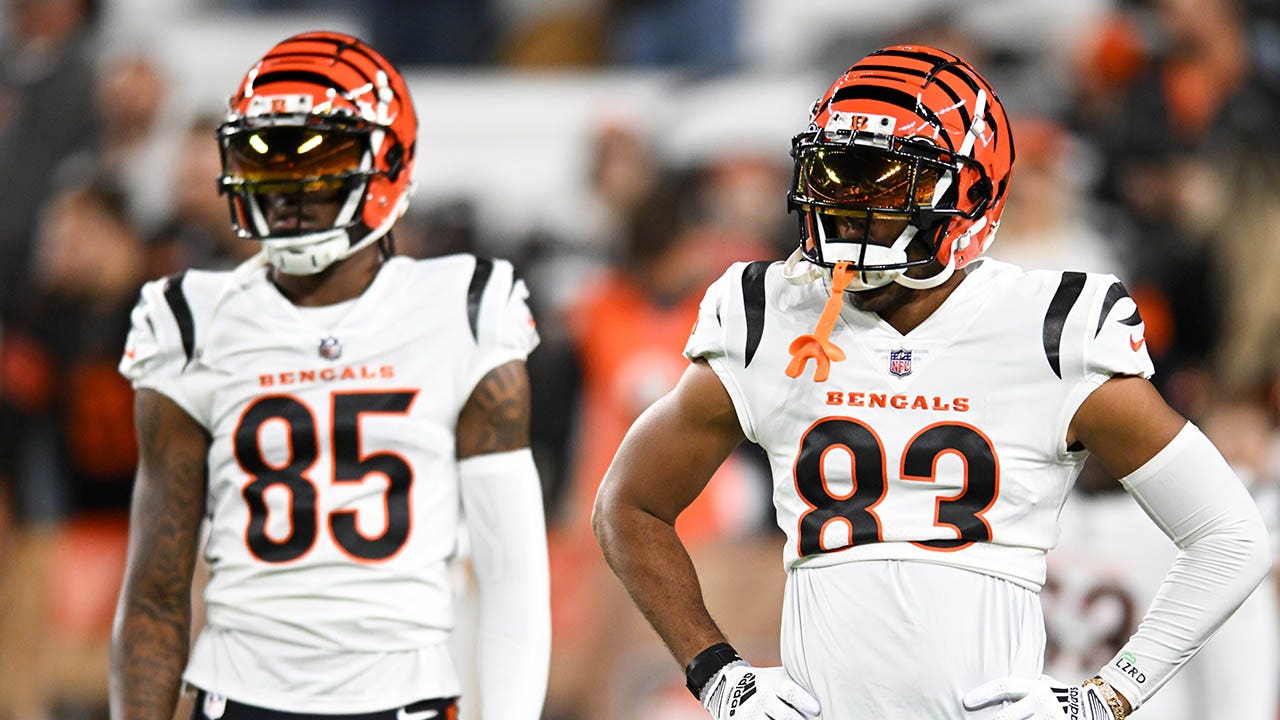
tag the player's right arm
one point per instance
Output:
(663, 464)
(150, 637)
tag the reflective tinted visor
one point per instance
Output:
(293, 158)
(858, 177)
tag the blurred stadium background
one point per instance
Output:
(622, 153)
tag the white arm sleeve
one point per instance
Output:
(502, 501)
(1194, 497)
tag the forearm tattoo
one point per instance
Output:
(150, 646)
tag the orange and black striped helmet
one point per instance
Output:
(907, 133)
(322, 117)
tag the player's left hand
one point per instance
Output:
(1042, 698)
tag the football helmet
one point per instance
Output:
(909, 133)
(322, 120)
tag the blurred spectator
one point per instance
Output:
(627, 331)
(198, 232)
(1248, 251)
(551, 33)
(281, 5)
(138, 145)
(46, 86)
(443, 228)
(1155, 84)
(621, 174)
(697, 35)
(629, 328)
(1048, 222)
(441, 33)
(740, 192)
(76, 458)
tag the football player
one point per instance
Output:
(922, 437)
(330, 408)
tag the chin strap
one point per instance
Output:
(932, 281)
(818, 345)
(313, 253)
(306, 254)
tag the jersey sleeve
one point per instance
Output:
(157, 349)
(719, 336)
(501, 323)
(1115, 344)
(707, 338)
(1110, 342)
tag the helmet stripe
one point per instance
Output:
(889, 68)
(956, 66)
(295, 76)
(367, 77)
(912, 72)
(340, 44)
(894, 97)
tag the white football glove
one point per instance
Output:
(1043, 698)
(742, 692)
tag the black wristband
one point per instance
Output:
(706, 664)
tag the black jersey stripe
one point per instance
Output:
(516, 280)
(1114, 293)
(181, 312)
(475, 293)
(1055, 319)
(1133, 320)
(753, 302)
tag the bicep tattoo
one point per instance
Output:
(496, 416)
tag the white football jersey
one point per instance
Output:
(945, 445)
(333, 494)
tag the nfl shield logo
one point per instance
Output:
(900, 362)
(330, 348)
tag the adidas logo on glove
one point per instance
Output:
(742, 692)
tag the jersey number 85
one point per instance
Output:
(349, 466)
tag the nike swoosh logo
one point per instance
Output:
(1137, 344)
(130, 353)
(404, 714)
